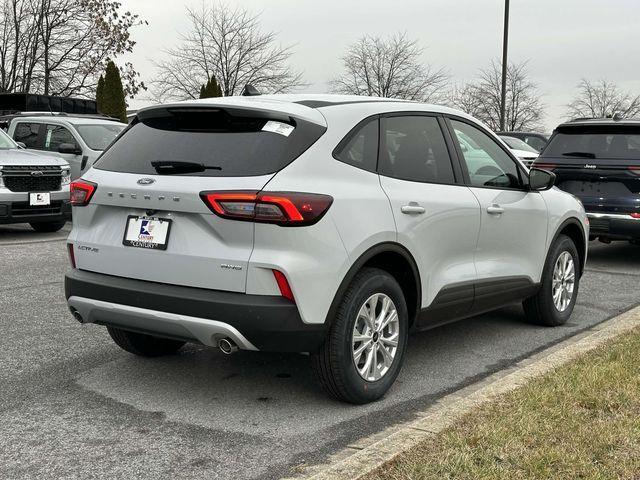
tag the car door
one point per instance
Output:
(437, 217)
(56, 135)
(513, 230)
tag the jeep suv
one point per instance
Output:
(323, 224)
(598, 161)
(34, 189)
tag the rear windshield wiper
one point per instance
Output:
(579, 154)
(172, 167)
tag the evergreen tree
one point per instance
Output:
(211, 89)
(113, 102)
(100, 93)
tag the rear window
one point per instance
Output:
(604, 142)
(226, 142)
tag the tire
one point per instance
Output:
(47, 227)
(334, 364)
(541, 309)
(144, 345)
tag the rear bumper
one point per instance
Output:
(255, 322)
(614, 225)
(19, 211)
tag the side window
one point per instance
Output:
(57, 135)
(536, 143)
(487, 163)
(27, 133)
(413, 148)
(361, 148)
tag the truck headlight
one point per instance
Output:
(66, 177)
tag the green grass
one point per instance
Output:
(580, 421)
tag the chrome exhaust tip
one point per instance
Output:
(227, 346)
(76, 315)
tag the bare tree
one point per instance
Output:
(60, 47)
(602, 99)
(482, 98)
(389, 67)
(228, 44)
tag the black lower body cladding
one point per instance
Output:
(271, 323)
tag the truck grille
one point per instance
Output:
(32, 179)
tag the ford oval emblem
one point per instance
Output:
(146, 181)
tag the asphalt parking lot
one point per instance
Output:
(73, 405)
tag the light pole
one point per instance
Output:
(505, 49)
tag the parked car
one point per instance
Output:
(536, 140)
(598, 161)
(323, 224)
(520, 149)
(79, 140)
(34, 189)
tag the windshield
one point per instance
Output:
(605, 142)
(5, 141)
(99, 137)
(518, 144)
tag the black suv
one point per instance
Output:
(598, 161)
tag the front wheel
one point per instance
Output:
(553, 304)
(47, 227)
(364, 349)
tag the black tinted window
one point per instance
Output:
(360, 148)
(224, 142)
(56, 136)
(413, 148)
(27, 133)
(606, 142)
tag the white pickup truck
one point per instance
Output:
(77, 139)
(34, 188)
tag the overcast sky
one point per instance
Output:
(563, 40)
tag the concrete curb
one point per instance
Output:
(370, 453)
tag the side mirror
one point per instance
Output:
(69, 148)
(540, 180)
(21, 145)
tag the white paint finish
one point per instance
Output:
(315, 259)
(513, 243)
(443, 238)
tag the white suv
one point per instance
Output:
(324, 224)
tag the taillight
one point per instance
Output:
(635, 215)
(281, 208)
(634, 169)
(544, 165)
(283, 285)
(81, 192)
(72, 255)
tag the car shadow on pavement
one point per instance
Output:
(22, 232)
(264, 393)
(616, 256)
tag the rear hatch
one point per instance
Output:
(153, 175)
(600, 164)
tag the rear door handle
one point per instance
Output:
(495, 209)
(412, 209)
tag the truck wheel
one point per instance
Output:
(553, 304)
(364, 349)
(47, 227)
(144, 345)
